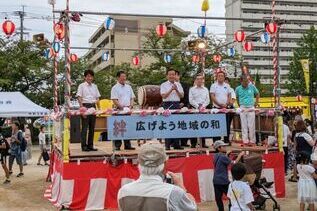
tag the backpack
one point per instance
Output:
(22, 140)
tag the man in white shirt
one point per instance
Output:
(171, 92)
(122, 96)
(220, 97)
(287, 135)
(199, 99)
(88, 97)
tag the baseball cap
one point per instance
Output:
(151, 155)
(220, 143)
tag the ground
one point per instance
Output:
(26, 193)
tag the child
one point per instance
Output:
(307, 191)
(221, 163)
(239, 192)
(42, 144)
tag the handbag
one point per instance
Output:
(45, 155)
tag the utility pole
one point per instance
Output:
(21, 14)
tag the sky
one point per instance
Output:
(38, 11)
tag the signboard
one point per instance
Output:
(173, 126)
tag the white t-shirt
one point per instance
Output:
(243, 193)
(305, 171)
(286, 134)
(199, 95)
(307, 137)
(42, 139)
(166, 87)
(122, 93)
(221, 92)
(232, 93)
(88, 92)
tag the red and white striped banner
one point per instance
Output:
(94, 185)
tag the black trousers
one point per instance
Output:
(118, 143)
(285, 158)
(171, 141)
(88, 125)
(219, 191)
(193, 142)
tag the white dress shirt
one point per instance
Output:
(88, 92)
(122, 93)
(221, 92)
(166, 87)
(199, 96)
(232, 93)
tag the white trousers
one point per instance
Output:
(248, 127)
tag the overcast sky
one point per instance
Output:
(37, 10)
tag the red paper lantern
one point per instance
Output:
(136, 60)
(248, 46)
(239, 36)
(8, 27)
(59, 29)
(299, 98)
(195, 58)
(271, 27)
(73, 57)
(217, 58)
(161, 30)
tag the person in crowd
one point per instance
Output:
(28, 138)
(309, 126)
(232, 100)
(199, 99)
(172, 92)
(246, 93)
(286, 141)
(184, 102)
(24, 152)
(221, 179)
(88, 97)
(239, 192)
(307, 191)
(220, 97)
(315, 132)
(313, 159)
(15, 149)
(4, 152)
(42, 145)
(150, 191)
(303, 144)
(122, 96)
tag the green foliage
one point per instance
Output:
(307, 50)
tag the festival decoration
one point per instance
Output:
(205, 6)
(8, 27)
(56, 47)
(271, 27)
(73, 57)
(167, 58)
(231, 52)
(248, 46)
(202, 31)
(265, 38)
(75, 16)
(46, 53)
(217, 58)
(161, 30)
(305, 65)
(109, 23)
(239, 36)
(106, 56)
(59, 29)
(299, 98)
(136, 60)
(195, 59)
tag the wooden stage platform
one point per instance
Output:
(105, 150)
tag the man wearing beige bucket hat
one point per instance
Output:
(150, 191)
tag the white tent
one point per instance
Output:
(15, 104)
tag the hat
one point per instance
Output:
(152, 155)
(313, 156)
(218, 144)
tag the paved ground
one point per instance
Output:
(26, 193)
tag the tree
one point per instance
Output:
(307, 49)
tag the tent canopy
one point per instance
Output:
(15, 104)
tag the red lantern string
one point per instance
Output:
(8, 27)
(239, 36)
(73, 57)
(136, 60)
(271, 28)
(195, 58)
(161, 30)
(248, 46)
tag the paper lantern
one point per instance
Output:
(205, 6)
(265, 38)
(217, 58)
(56, 47)
(299, 98)
(106, 56)
(8, 27)
(271, 27)
(202, 31)
(59, 29)
(46, 53)
(231, 52)
(239, 36)
(161, 30)
(73, 57)
(167, 58)
(109, 23)
(136, 60)
(195, 59)
(248, 46)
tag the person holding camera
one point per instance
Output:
(151, 191)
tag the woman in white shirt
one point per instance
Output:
(42, 144)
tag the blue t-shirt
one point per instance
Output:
(246, 95)
(221, 163)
